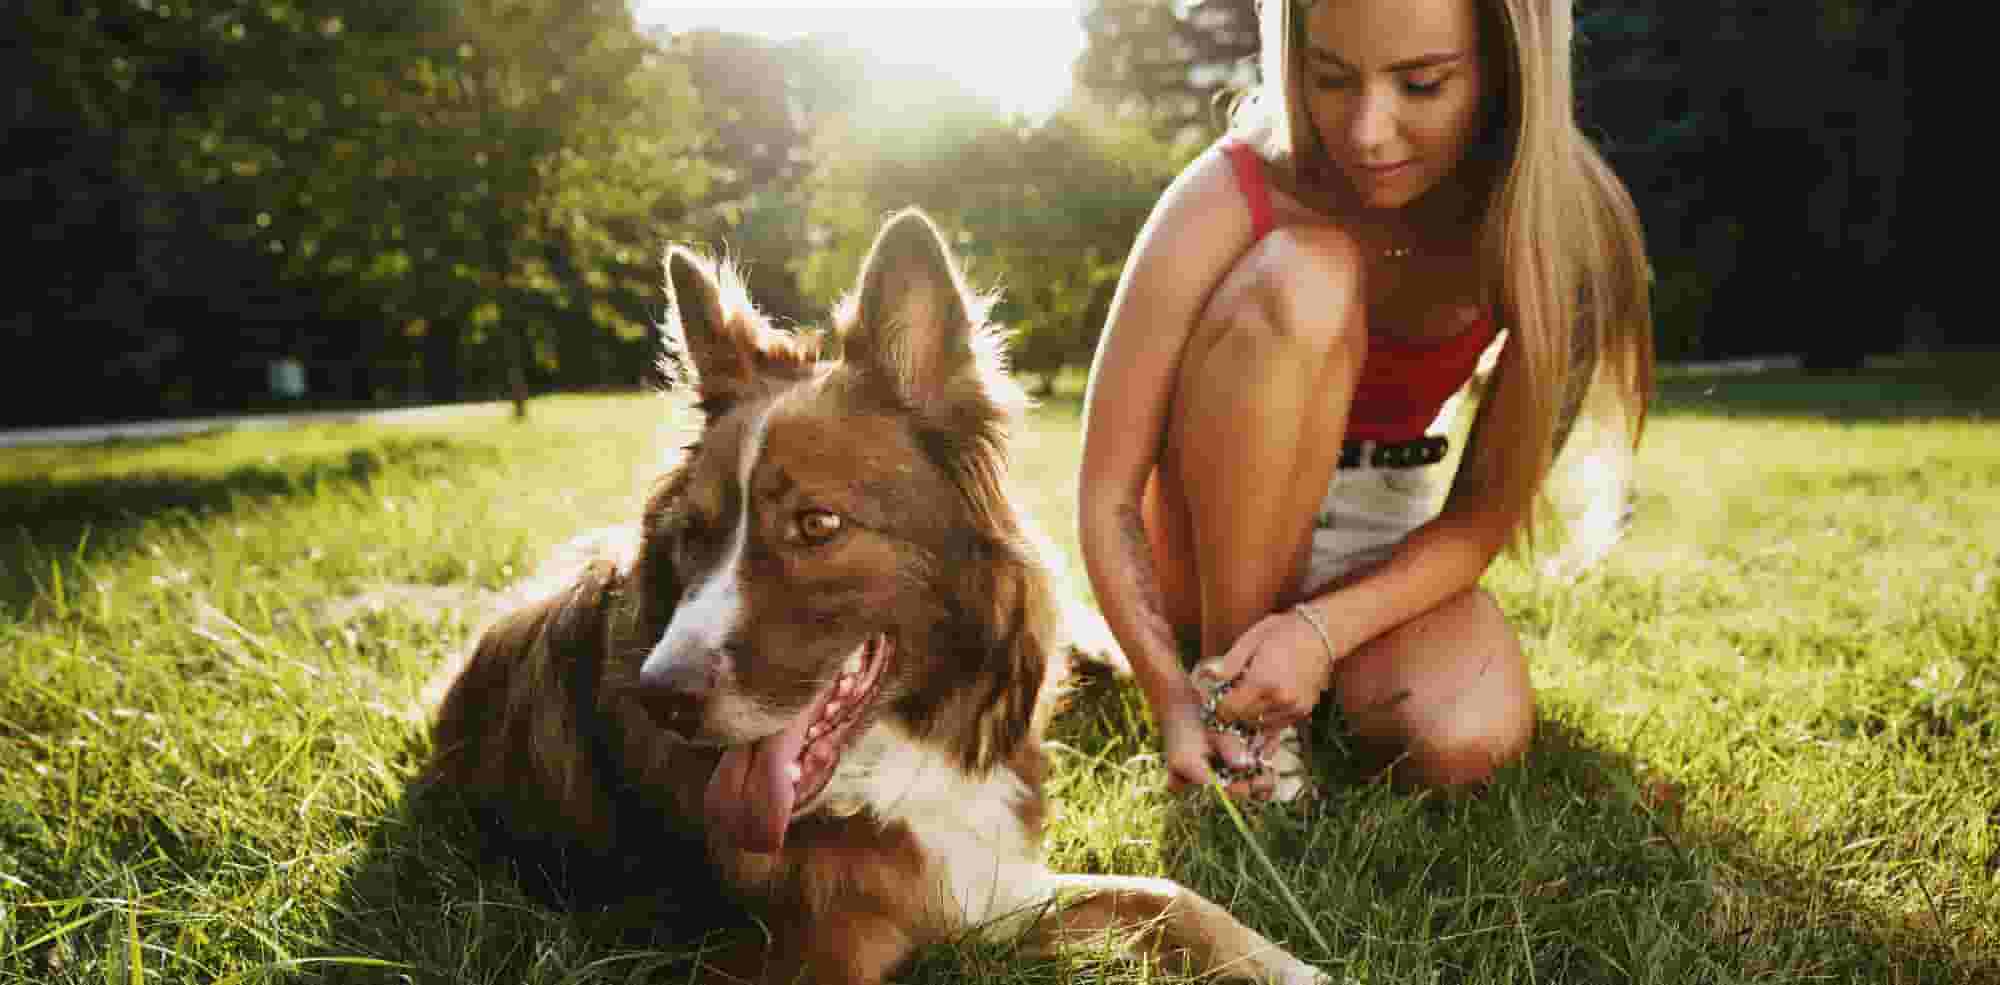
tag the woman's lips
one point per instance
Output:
(1379, 171)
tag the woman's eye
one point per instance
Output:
(817, 526)
(1331, 81)
(1423, 88)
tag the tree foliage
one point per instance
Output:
(1177, 66)
(446, 198)
(1768, 147)
(1044, 214)
(409, 197)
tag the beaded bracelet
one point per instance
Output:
(1319, 626)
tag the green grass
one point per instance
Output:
(1769, 747)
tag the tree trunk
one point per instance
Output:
(441, 368)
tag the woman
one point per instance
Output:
(1409, 181)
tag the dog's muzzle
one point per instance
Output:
(675, 692)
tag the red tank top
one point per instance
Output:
(1403, 384)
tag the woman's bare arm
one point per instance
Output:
(1199, 228)
(1447, 555)
(1437, 561)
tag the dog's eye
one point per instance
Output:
(817, 526)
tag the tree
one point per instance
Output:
(1771, 197)
(1044, 214)
(1175, 65)
(470, 189)
(762, 104)
(204, 154)
(566, 107)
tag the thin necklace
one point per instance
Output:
(1397, 252)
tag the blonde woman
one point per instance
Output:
(1409, 182)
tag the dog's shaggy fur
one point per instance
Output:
(820, 663)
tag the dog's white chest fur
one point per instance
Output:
(987, 864)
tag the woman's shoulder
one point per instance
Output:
(1237, 172)
(1246, 165)
(1210, 175)
(1206, 200)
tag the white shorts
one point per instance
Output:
(1367, 511)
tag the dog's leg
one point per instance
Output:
(1163, 917)
(856, 947)
(751, 962)
(839, 947)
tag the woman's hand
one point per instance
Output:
(1197, 754)
(1271, 678)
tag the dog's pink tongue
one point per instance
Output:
(751, 794)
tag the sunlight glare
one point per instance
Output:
(1015, 55)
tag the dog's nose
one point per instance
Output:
(674, 695)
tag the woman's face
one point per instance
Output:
(1396, 90)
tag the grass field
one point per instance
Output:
(1769, 747)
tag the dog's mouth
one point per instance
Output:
(760, 786)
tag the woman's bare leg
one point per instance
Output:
(1447, 694)
(1259, 411)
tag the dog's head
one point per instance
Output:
(837, 548)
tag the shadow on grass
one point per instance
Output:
(435, 897)
(1577, 865)
(73, 522)
(1969, 392)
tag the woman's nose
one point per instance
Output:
(1374, 121)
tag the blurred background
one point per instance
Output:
(245, 205)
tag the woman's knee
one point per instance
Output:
(1448, 694)
(1300, 288)
(1456, 757)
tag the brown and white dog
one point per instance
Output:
(824, 654)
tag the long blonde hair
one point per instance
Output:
(1566, 263)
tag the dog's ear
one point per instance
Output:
(913, 324)
(715, 339)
